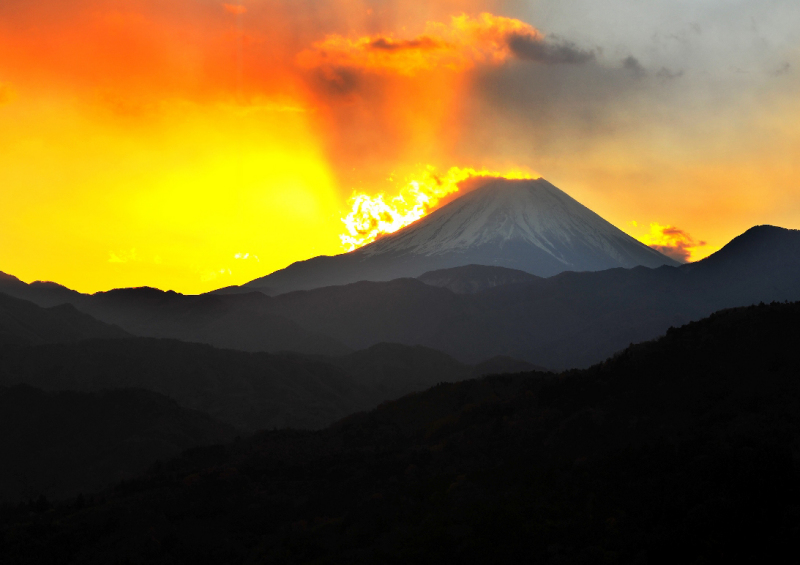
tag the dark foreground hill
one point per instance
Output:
(61, 444)
(97, 424)
(251, 391)
(681, 449)
(248, 391)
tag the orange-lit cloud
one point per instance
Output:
(235, 9)
(190, 133)
(457, 45)
(672, 242)
(373, 216)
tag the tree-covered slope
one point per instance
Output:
(680, 449)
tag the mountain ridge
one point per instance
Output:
(681, 446)
(572, 319)
(529, 225)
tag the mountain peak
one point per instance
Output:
(757, 248)
(529, 212)
(529, 225)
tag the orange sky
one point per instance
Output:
(193, 144)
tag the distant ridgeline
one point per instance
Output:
(472, 313)
(684, 446)
(527, 225)
(96, 424)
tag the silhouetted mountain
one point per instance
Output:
(244, 322)
(764, 260)
(501, 364)
(44, 294)
(569, 320)
(60, 444)
(249, 391)
(529, 225)
(472, 279)
(686, 446)
(391, 370)
(22, 322)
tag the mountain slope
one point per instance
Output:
(683, 446)
(527, 225)
(569, 320)
(45, 294)
(60, 444)
(472, 279)
(244, 322)
(22, 322)
(250, 391)
(392, 370)
(573, 319)
(765, 259)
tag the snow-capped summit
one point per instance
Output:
(528, 225)
(506, 213)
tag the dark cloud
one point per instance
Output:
(784, 69)
(677, 252)
(394, 45)
(534, 49)
(667, 74)
(337, 81)
(633, 65)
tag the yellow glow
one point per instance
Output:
(373, 216)
(673, 242)
(168, 200)
(191, 145)
(456, 45)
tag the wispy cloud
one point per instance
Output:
(247, 257)
(123, 257)
(672, 242)
(460, 44)
(235, 9)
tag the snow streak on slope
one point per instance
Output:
(533, 212)
(528, 225)
(374, 216)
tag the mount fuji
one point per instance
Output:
(528, 225)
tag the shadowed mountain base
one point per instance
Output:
(681, 448)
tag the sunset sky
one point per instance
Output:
(194, 144)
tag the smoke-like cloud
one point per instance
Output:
(632, 65)
(457, 45)
(672, 242)
(534, 48)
